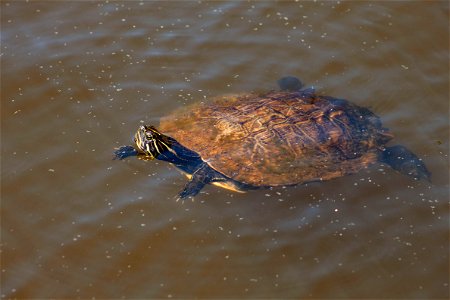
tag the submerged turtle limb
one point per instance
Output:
(290, 83)
(406, 162)
(201, 177)
(124, 152)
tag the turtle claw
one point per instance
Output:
(179, 197)
(186, 194)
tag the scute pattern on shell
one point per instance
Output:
(279, 138)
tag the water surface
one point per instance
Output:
(78, 78)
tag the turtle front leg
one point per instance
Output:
(124, 152)
(202, 176)
(192, 188)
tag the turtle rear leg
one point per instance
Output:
(406, 162)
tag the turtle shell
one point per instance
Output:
(279, 138)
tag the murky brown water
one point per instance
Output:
(77, 78)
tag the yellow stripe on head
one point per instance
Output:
(149, 141)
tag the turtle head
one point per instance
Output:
(150, 142)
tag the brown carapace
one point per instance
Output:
(279, 138)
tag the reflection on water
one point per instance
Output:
(75, 223)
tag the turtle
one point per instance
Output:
(280, 137)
